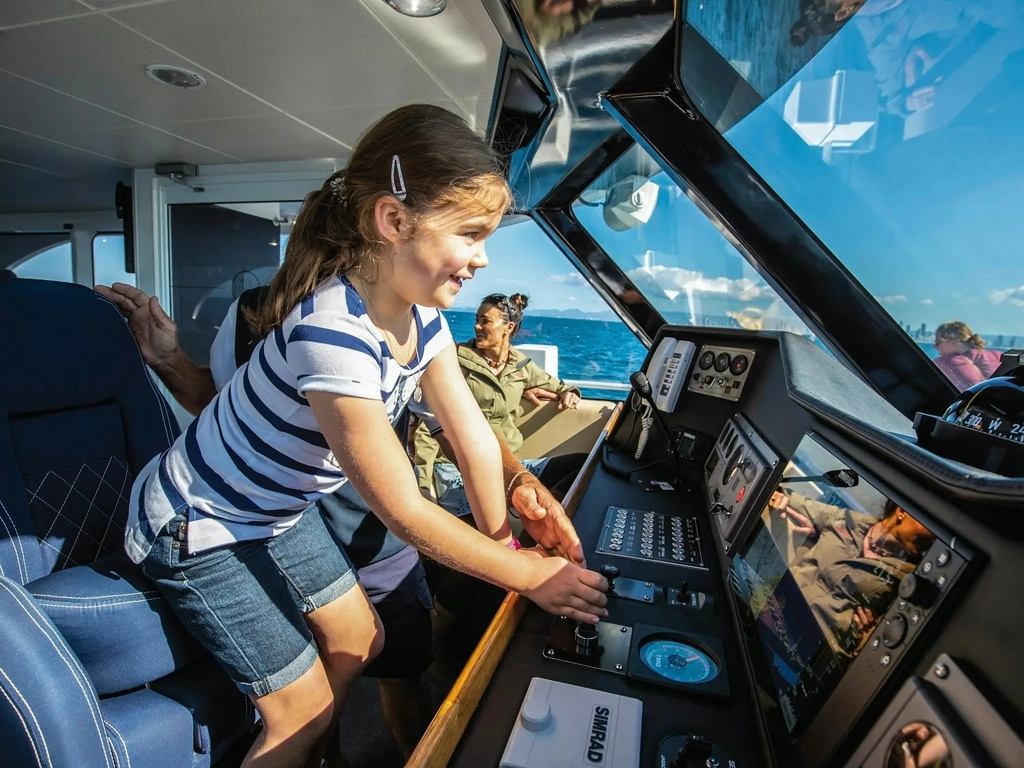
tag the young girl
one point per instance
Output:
(351, 329)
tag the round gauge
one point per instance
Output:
(678, 661)
(739, 365)
(706, 360)
(722, 362)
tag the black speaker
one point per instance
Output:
(124, 206)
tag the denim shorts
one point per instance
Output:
(245, 602)
(396, 584)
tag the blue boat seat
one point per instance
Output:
(94, 667)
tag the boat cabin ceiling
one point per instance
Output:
(816, 554)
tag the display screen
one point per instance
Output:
(818, 572)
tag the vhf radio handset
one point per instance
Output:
(642, 387)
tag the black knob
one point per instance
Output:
(916, 590)
(610, 572)
(684, 590)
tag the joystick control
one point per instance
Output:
(610, 572)
(585, 639)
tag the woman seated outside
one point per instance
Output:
(962, 355)
(499, 376)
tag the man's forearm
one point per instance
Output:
(512, 468)
(190, 384)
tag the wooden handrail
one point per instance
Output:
(445, 730)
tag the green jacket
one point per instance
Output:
(834, 576)
(498, 396)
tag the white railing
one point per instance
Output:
(587, 383)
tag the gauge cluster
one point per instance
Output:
(721, 371)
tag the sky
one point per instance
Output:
(925, 209)
(924, 206)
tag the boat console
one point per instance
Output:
(791, 584)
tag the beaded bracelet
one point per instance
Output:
(512, 482)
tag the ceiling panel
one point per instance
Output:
(348, 123)
(11, 173)
(51, 156)
(297, 55)
(460, 47)
(28, 11)
(143, 146)
(5, 131)
(34, 109)
(105, 4)
(101, 62)
(255, 139)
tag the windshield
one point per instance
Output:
(894, 129)
(673, 253)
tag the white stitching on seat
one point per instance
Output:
(97, 597)
(28, 708)
(18, 545)
(51, 604)
(80, 525)
(76, 670)
(124, 744)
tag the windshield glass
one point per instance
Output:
(674, 254)
(894, 129)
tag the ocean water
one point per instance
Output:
(588, 350)
(594, 350)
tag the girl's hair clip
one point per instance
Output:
(397, 180)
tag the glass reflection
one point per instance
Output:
(822, 569)
(895, 130)
(919, 745)
(549, 21)
(674, 254)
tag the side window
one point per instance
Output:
(595, 350)
(53, 263)
(108, 261)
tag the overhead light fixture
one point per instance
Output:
(176, 76)
(418, 8)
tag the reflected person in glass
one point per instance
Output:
(850, 564)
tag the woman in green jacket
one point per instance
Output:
(499, 376)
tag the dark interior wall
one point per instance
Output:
(211, 247)
(16, 246)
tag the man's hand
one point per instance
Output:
(539, 395)
(545, 521)
(155, 332)
(800, 522)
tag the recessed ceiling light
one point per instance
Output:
(418, 8)
(176, 76)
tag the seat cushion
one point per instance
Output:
(221, 714)
(117, 623)
(147, 730)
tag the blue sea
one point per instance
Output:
(588, 350)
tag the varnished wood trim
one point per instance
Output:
(446, 729)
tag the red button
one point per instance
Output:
(742, 492)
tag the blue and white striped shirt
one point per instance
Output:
(255, 458)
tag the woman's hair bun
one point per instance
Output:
(519, 300)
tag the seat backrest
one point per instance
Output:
(80, 416)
